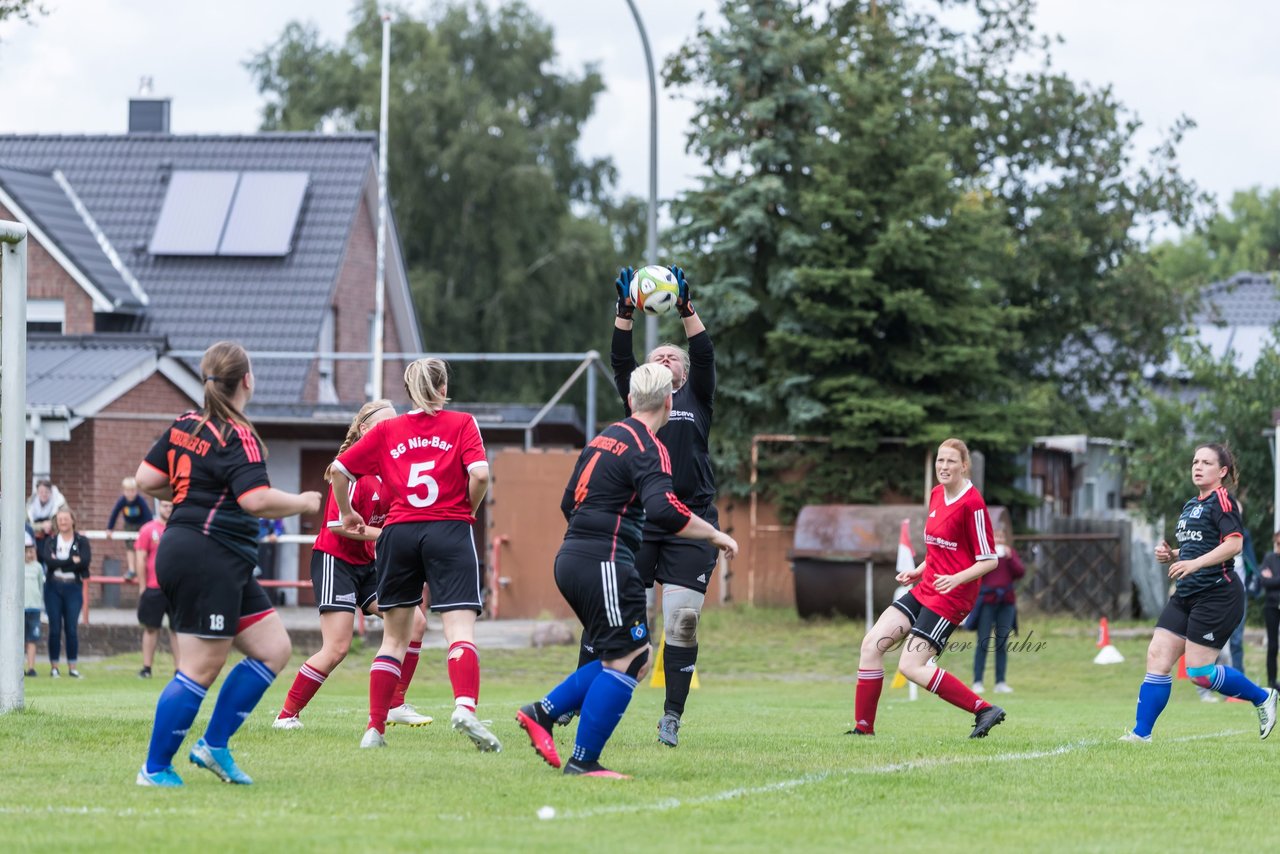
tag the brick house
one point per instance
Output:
(147, 247)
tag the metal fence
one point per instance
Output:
(1083, 569)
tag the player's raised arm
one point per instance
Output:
(702, 355)
(622, 357)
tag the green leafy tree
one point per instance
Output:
(1208, 400)
(511, 237)
(1245, 238)
(904, 235)
(21, 10)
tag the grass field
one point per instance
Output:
(763, 763)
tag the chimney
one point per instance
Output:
(147, 113)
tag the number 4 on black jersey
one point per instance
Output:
(622, 477)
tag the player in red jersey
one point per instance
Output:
(344, 579)
(152, 606)
(433, 467)
(959, 550)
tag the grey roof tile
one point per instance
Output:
(264, 303)
(41, 198)
(71, 370)
(1245, 299)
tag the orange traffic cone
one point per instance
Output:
(1107, 654)
(1182, 667)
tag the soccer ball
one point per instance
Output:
(654, 289)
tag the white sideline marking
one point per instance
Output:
(894, 768)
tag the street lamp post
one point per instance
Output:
(651, 247)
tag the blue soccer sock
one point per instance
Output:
(570, 694)
(176, 709)
(245, 685)
(605, 703)
(1233, 683)
(1153, 696)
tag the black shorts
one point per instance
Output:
(1208, 617)
(210, 587)
(31, 625)
(608, 599)
(440, 554)
(668, 559)
(152, 606)
(132, 527)
(341, 586)
(926, 624)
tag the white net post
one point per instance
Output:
(13, 464)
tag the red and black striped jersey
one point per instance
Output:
(368, 501)
(621, 481)
(210, 467)
(1204, 524)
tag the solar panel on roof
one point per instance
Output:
(264, 214)
(194, 212)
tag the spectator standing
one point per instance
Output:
(33, 602)
(152, 603)
(997, 608)
(269, 533)
(133, 508)
(66, 556)
(1270, 576)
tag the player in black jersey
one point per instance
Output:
(683, 567)
(621, 484)
(210, 465)
(1207, 603)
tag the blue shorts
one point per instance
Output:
(31, 623)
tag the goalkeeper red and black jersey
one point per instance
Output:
(622, 480)
(210, 467)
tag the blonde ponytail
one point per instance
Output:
(426, 381)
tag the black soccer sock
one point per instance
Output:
(678, 664)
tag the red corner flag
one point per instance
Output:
(906, 555)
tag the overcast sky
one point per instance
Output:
(74, 70)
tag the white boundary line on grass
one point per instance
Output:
(671, 803)
(894, 768)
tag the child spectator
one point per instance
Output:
(136, 513)
(33, 602)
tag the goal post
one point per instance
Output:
(13, 464)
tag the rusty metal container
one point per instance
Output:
(833, 544)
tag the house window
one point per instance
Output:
(328, 391)
(46, 315)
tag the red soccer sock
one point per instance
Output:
(305, 685)
(407, 667)
(867, 698)
(956, 692)
(384, 673)
(464, 674)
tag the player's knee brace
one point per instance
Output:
(1202, 676)
(638, 664)
(683, 630)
